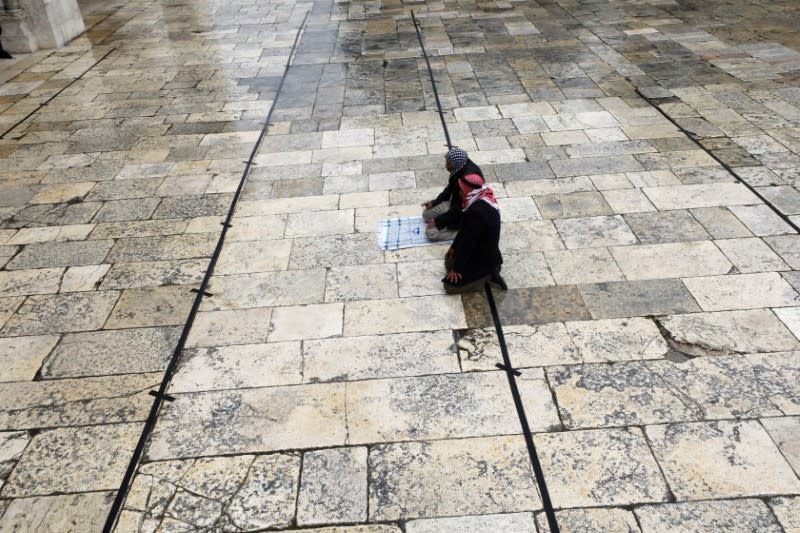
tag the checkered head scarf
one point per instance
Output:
(457, 158)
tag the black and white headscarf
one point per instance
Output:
(457, 158)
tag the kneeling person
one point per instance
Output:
(474, 258)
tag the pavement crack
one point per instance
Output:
(346, 417)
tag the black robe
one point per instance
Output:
(477, 245)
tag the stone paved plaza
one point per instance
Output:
(646, 156)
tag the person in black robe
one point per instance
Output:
(443, 213)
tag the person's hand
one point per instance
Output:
(431, 223)
(450, 251)
(453, 277)
(427, 205)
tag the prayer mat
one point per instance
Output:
(403, 232)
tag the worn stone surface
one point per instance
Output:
(21, 357)
(61, 313)
(784, 433)
(735, 516)
(511, 523)
(617, 339)
(405, 474)
(746, 461)
(600, 520)
(788, 512)
(333, 488)
(67, 514)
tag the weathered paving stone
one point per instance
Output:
(637, 298)
(601, 520)
(33, 281)
(529, 236)
(746, 461)
(600, 468)
(156, 306)
(253, 256)
(12, 444)
(751, 255)
(379, 356)
(302, 322)
(783, 432)
(578, 204)
(617, 340)
(250, 420)
(124, 210)
(444, 406)
(400, 488)
(223, 328)
(53, 254)
(739, 516)
(528, 346)
(653, 261)
(265, 289)
(21, 357)
(361, 282)
(335, 250)
(509, 523)
(743, 291)
(138, 249)
(154, 274)
(778, 373)
(67, 514)
(8, 306)
(86, 354)
(538, 305)
(788, 512)
(728, 332)
(591, 265)
(38, 404)
(593, 232)
(665, 226)
(761, 220)
(424, 313)
(62, 313)
(333, 487)
(700, 195)
(54, 462)
(193, 206)
(236, 493)
(240, 366)
(788, 247)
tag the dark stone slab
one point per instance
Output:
(637, 298)
(537, 305)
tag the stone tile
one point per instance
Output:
(130, 250)
(746, 462)
(152, 274)
(538, 305)
(600, 467)
(526, 270)
(62, 192)
(617, 340)
(249, 208)
(53, 463)
(66, 514)
(751, 255)
(656, 261)
(594, 232)
(665, 226)
(420, 278)
(335, 250)
(549, 186)
(402, 354)
(156, 306)
(784, 433)
(592, 265)
(333, 488)
(135, 351)
(54, 403)
(720, 223)
(529, 236)
(21, 357)
(700, 195)
(624, 201)
(599, 520)
(508, 523)
(402, 489)
(594, 165)
(143, 228)
(622, 394)
(250, 420)
(637, 298)
(761, 220)
(444, 406)
(55, 254)
(788, 247)
(387, 181)
(738, 516)
(236, 326)
(61, 313)
(729, 332)
(357, 282)
(253, 507)
(193, 205)
(256, 228)
(425, 313)
(743, 291)
(76, 232)
(528, 346)
(12, 444)
(123, 210)
(33, 281)
(253, 256)
(518, 209)
(83, 278)
(578, 204)
(319, 224)
(265, 289)
(788, 512)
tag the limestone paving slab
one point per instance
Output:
(746, 461)
(152, 307)
(424, 313)
(538, 305)
(235, 326)
(598, 468)
(70, 253)
(637, 298)
(265, 289)
(61, 313)
(66, 514)
(617, 340)
(333, 487)
(21, 357)
(53, 463)
(593, 232)
(405, 477)
(653, 261)
(510, 523)
(153, 274)
(597, 520)
(743, 291)
(783, 431)
(12, 444)
(788, 512)
(250, 420)
(731, 515)
(527, 345)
